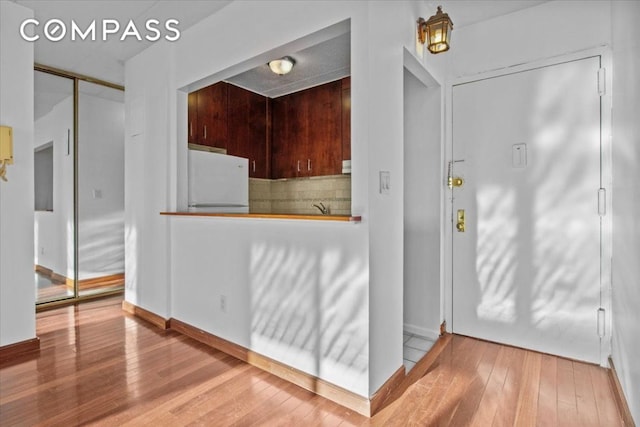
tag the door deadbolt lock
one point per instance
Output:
(460, 223)
(455, 181)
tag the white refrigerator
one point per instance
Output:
(218, 183)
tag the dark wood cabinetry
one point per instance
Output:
(346, 118)
(194, 125)
(208, 116)
(307, 132)
(247, 129)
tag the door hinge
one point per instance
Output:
(602, 202)
(602, 83)
(601, 324)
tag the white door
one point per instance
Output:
(526, 269)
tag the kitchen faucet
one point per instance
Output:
(322, 208)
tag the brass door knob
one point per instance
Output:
(455, 181)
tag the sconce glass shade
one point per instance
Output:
(282, 66)
(436, 32)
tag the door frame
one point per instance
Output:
(604, 52)
(76, 78)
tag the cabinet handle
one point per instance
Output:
(298, 165)
(308, 164)
(254, 166)
(205, 132)
(191, 129)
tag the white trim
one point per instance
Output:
(420, 331)
(532, 65)
(606, 106)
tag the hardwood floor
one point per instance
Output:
(98, 366)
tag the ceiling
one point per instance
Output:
(105, 59)
(321, 63)
(468, 12)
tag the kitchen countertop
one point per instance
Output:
(339, 218)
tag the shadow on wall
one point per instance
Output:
(101, 245)
(309, 310)
(132, 244)
(537, 241)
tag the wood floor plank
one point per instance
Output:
(608, 414)
(585, 396)
(548, 392)
(264, 407)
(298, 412)
(567, 409)
(479, 376)
(511, 388)
(98, 366)
(461, 371)
(527, 409)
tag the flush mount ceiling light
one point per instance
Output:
(436, 32)
(282, 66)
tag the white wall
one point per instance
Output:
(423, 182)
(392, 27)
(550, 29)
(54, 230)
(149, 140)
(295, 291)
(17, 290)
(100, 186)
(156, 146)
(626, 199)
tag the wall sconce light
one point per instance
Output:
(436, 32)
(282, 66)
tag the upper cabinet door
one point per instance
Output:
(247, 129)
(193, 130)
(212, 114)
(307, 132)
(208, 116)
(281, 156)
(346, 118)
(324, 142)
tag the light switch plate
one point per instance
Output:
(519, 156)
(385, 182)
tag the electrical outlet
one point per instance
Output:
(41, 250)
(223, 303)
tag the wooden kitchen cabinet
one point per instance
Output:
(247, 118)
(289, 143)
(307, 132)
(208, 116)
(346, 118)
(194, 125)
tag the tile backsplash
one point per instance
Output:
(298, 195)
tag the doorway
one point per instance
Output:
(422, 192)
(526, 233)
(79, 187)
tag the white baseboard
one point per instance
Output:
(423, 332)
